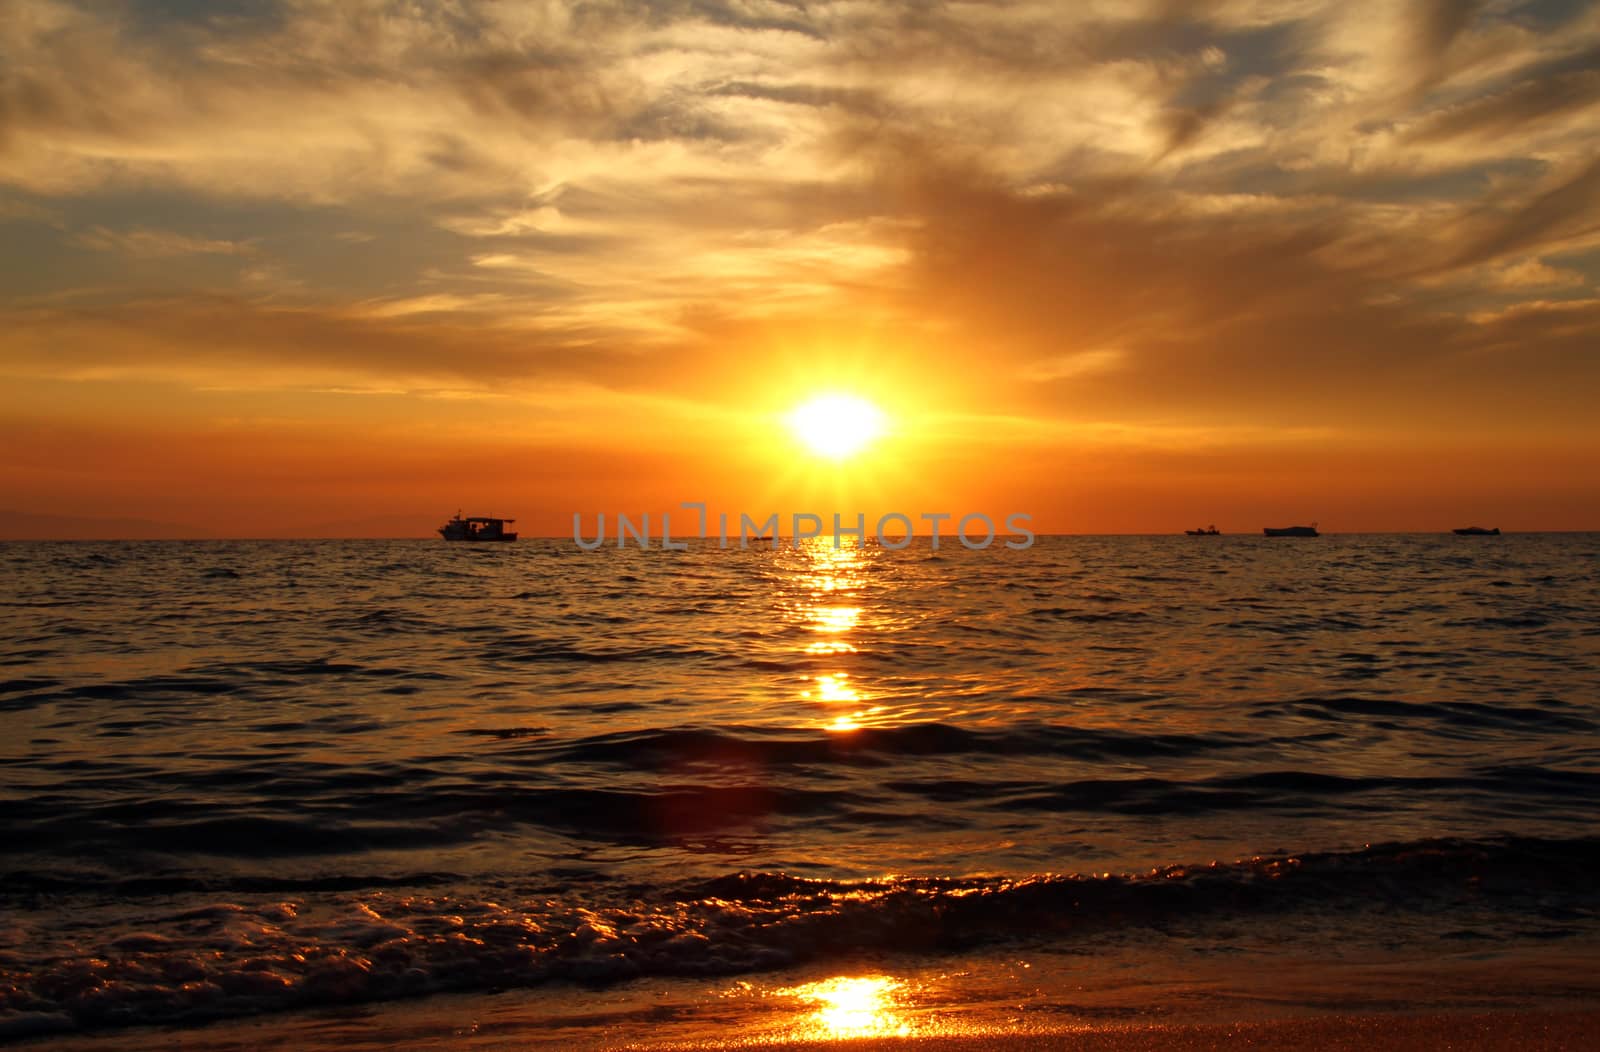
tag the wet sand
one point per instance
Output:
(1536, 1032)
(1525, 1031)
(1112, 1000)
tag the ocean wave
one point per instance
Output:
(201, 777)
(680, 787)
(255, 951)
(1551, 714)
(752, 746)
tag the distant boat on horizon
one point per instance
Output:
(1291, 531)
(1209, 531)
(477, 528)
(1477, 531)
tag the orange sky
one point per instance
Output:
(301, 269)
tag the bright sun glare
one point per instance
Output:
(836, 426)
(847, 1007)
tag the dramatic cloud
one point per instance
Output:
(1155, 221)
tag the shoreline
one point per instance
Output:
(1545, 1031)
(1152, 994)
(1542, 1030)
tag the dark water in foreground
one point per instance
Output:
(244, 777)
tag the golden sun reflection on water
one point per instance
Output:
(850, 1006)
(835, 687)
(834, 620)
(827, 592)
(854, 721)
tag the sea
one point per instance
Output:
(251, 779)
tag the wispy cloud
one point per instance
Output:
(158, 244)
(1283, 208)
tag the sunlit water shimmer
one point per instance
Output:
(246, 777)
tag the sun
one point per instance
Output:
(837, 426)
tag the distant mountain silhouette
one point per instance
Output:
(420, 524)
(32, 526)
(35, 526)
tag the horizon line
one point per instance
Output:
(753, 542)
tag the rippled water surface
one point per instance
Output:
(246, 776)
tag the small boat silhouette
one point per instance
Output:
(477, 528)
(1209, 531)
(1477, 531)
(1291, 531)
